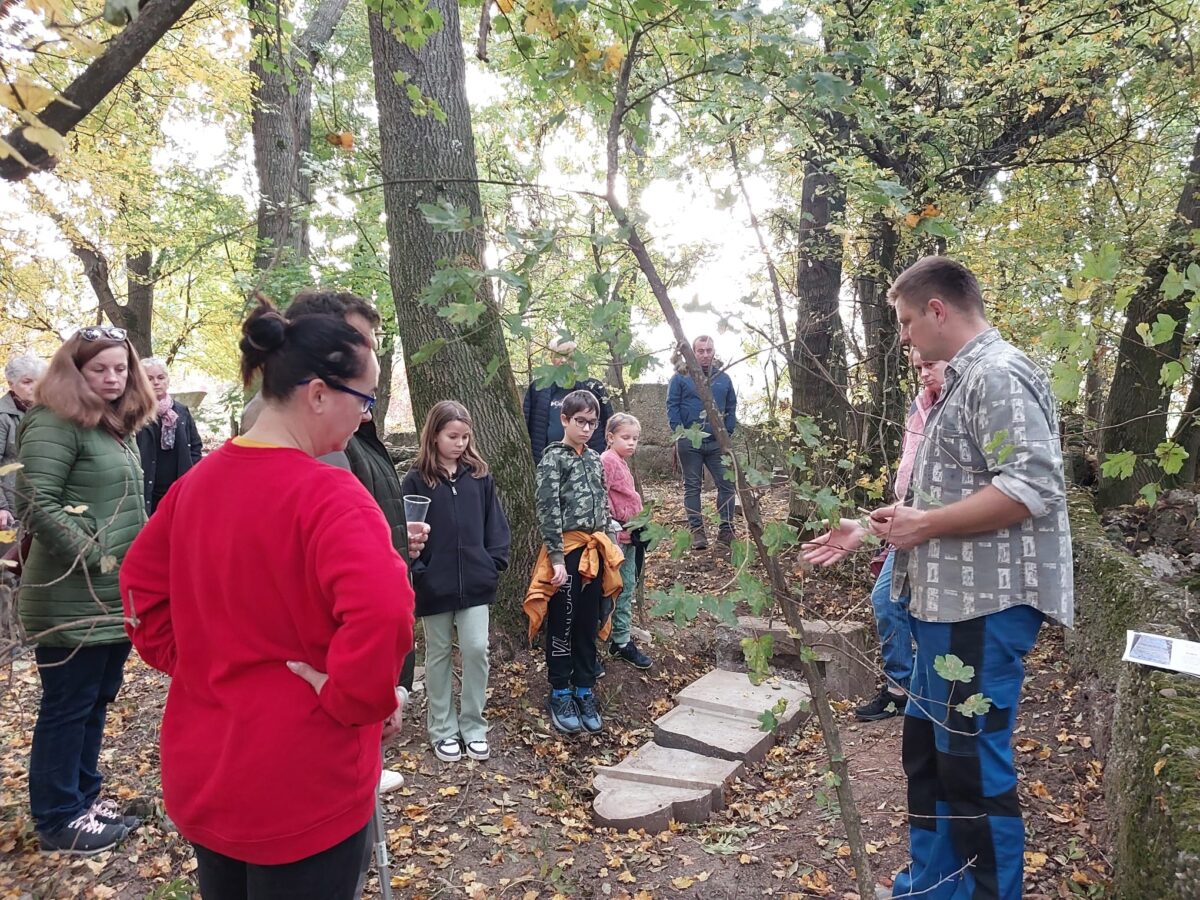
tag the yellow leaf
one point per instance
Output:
(9, 468)
(1038, 789)
(1035, 860)
(75, 510)
(1080, 877)
(450, 791)
(24, 94)
(7, 150)
(626, 877)
(47, 138)
(614, 55)
(1158, 766)
(683, 882)
(506, 6)
(8, 536)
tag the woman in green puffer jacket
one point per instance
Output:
(79, 494)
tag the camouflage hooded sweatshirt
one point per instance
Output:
(571, 495)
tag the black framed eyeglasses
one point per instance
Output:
(368, 401)
(103, 333)
(585, 424)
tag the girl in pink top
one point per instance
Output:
(622, 435)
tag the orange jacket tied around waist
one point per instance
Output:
(601, 558)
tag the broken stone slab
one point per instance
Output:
(733, 694)
(713, 734)
(845, 651)
(656, 784)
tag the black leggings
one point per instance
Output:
(329, 875)
(572, 619)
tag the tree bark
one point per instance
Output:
(138, 311)
(95, 83)
(1135, 415)
(883, 423)
(281, 125)
(416, 151)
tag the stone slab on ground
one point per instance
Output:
(845, 651)
(713, 734)
(655, 784)
(733, 694)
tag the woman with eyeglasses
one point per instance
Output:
(79, 494)
(170, 444)
(267, 586)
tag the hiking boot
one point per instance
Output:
(884, 706)
(448, 750)
(631, 654)
(589, 711)
(564, 714)
(109, 813)
(699, 539)
(725, 534)
(83, 836)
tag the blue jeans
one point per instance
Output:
(692, 462)
(965, 831)
(78, 683)
(892, 623)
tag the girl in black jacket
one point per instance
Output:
(455, 577)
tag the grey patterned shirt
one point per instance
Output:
(995, 423)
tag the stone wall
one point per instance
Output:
(1145, 722)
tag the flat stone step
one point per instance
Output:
(656, 784)
(733, 694)
(712, 734)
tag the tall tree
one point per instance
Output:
(427, 155)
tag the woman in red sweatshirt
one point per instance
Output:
(266, 585)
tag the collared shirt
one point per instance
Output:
(995, 423)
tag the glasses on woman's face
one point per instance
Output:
(585, 424)
(368, 400)
(102, 332)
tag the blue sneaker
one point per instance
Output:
(589, 711)
(564, 714)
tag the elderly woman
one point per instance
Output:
(79, 494)
(22, 374)
(267, 586)
(170, 444)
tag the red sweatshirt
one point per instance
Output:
(257, 557)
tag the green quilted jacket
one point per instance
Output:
(80, 495)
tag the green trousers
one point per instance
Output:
(441, 719)
(622, 620)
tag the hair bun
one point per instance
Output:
(264, 332)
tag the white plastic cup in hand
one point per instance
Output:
(416, 508)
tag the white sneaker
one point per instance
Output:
(478, 750)
(390, 781)
(448, 750)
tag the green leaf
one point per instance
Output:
(1159, 332)
(1170, 373)
(951, 668)
(120, 12)
(1170, 456)
(754, 593)
(1102, 265)
(1149, 493)
(677, 603)
(428, 351)
(1172, 284)
(758, 652)
(446, 217)
(769, 718)
(778, 535)
(1066, 378)
(1118, 465)
(807, 430)
(975, 705)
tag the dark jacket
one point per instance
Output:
(538, 404)
(372, 465)
(468, 543)
(79, 493)
(185, 454)
(10, 422)
(683, 403)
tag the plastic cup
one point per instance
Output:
(415, 507)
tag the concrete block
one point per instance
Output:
(655, 784)
(732, 694)
(713, 734)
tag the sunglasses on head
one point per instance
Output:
(102, 333)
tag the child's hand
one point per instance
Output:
(560, 575)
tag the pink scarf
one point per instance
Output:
(168, 417)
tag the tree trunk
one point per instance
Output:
(93, 84)
(416, 153)
(1135, 416)
(1187, 432)
(883, 424)
(281, 124)
(138, 311)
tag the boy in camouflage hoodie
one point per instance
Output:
(572, 497)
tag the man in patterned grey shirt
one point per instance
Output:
(984, 553)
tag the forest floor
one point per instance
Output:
(519, 825)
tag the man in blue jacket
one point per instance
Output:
(684, 410)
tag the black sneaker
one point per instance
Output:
(725, 535)
(109, 813)
(589, 711)
(699, 539)
(564, 714)
(631, 654)
(84, 835)
(884, 706)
